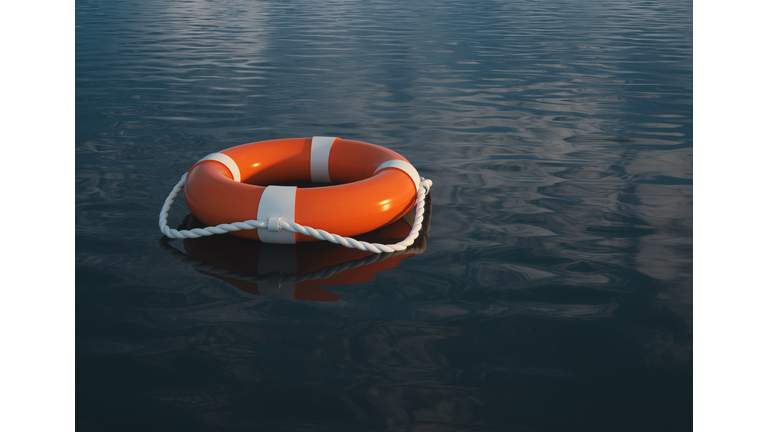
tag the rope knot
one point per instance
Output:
(274, 224)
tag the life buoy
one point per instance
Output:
(368, 187)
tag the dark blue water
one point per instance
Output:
(552, 291)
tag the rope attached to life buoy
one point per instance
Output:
(276, 224)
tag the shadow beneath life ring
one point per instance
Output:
(296, 272)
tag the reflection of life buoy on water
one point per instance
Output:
(296, 272)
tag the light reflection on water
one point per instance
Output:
(558, 274)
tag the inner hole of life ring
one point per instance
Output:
(299, 184)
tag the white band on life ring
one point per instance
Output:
(405, 167)
(227, 161)
(321, 152)
(277, 202)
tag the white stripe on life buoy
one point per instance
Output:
(227, 161)
(277, 202)
(405, 167)
(321, 151)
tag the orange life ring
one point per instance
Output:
(371, 187)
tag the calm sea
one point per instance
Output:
(551, 292)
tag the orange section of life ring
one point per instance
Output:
(371, 187)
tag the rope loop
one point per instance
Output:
(277, 224)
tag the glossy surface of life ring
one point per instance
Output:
(368, 186)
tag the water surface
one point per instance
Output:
(554, 290)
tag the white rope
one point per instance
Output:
(423, 190)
